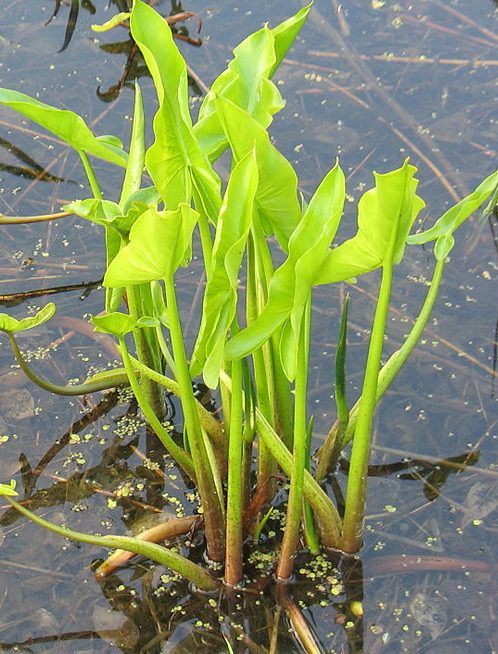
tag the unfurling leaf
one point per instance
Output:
(112, 22)
(276, 197)
(451, 220)
(9, 489)
(384, 212)
(12, 325)
(160, 242)
(115, 323)
(220, 298)
(175, 160)
(246, 81)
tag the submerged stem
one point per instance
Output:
(212, 426)
(77, 389)
(162, 555)
(326, 512)
(324, 508)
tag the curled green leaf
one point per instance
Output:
(136, 158)
(443, 229)
(12, 325)
(290, 286)
(101, 212)
(385, 212)
(9, 489)
(160, 242)
(247, 81)
(112, 22)
(175, 160)
(220, 297)
(276, 197)
(116, 323)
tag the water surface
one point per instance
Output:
(371, 83)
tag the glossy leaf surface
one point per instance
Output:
(286, 32)
(220, 298)
(119, 324)
(443, 229)
(384, 212)
(12, 325)
(115, 323)
(101, 212)
(246, 81)
(160, 241)
(175, 160)
(65, 124)
(291, 284)
(276, 196)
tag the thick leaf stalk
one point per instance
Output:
(357, 478)
(387, 375)
(235, 494)
(207, 484)
(178, 453)
(300, 448)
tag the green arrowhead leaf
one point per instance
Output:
(65, 124)
(160, 242)
(12, 325)
(286, 32)
(442, 231)
(246, 81)
(384, 212)
(220, 297)
(276, 196)
(115, 323)
(101, 212)
(291, 284)
(145, 196)
(175, 160)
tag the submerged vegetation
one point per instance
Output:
(253, 341)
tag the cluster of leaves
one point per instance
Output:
(255, 345)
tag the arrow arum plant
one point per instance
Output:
(252, 345)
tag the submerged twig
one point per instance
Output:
(404, 59)
(23, 220)
(12, 299)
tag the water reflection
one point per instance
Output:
(147, 607)
(30, 170)
(134, 67)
